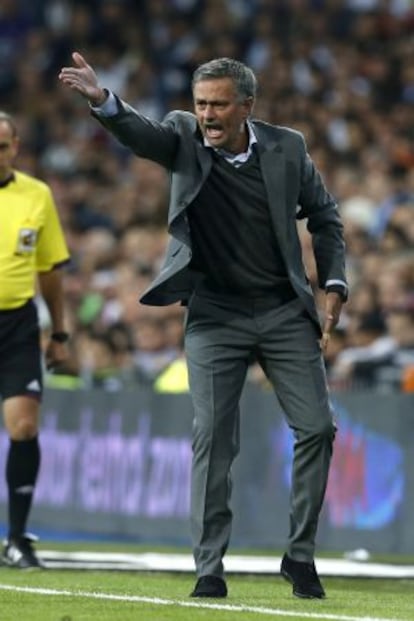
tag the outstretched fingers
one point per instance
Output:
(81, 77)
(79, 60)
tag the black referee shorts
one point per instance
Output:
(20, 354)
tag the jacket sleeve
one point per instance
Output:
(147, 138)
(323, 223)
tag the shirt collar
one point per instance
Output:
(238, 158)
(6, 182)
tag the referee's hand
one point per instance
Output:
(56, 354)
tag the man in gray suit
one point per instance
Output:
(238, 185)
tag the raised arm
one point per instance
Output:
(147, 138)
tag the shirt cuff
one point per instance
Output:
(337, 286)
(108, 108)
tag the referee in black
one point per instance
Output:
(32, 246)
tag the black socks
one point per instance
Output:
(22, 467)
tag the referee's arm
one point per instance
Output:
(51, 289)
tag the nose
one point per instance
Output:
(209, 113)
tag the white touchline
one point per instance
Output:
(184, 604)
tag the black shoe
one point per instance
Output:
(210, 586)
(19, 553)
(304, 578)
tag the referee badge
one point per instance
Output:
(26, 241)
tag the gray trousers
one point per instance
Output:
(222, 332)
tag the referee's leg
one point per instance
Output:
(21, 391)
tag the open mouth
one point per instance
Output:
(213, 133)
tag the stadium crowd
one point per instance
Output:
(340, 71)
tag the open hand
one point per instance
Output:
(83, 79)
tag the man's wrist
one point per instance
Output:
(100, 99)
(342, 290)
(60, 336)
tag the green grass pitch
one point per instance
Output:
(69, 595)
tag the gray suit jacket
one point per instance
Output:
(293, 185)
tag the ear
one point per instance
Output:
(248, 105)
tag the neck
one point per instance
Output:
(242, 143)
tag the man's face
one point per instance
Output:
(8, 150)
(221, 115)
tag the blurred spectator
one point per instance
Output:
(152, 353)
(378, 359)
(174, 378)
(97, 363)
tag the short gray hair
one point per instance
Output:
(242, 76)
(7, 118)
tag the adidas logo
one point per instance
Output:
(34, 385)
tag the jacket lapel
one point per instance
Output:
(196, 161)
(184, 188)
(273, 166)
